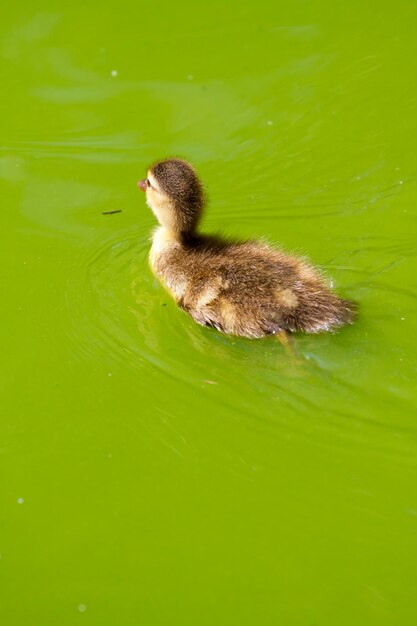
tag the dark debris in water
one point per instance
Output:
(111, 212)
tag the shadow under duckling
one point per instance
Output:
(240, 288)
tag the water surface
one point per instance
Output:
(155, 472)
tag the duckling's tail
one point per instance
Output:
(323, 312)
(349, 311)
(336, 313)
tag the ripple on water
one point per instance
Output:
(122, 318)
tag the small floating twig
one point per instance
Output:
(111, 212)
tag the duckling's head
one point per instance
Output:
(175, 195)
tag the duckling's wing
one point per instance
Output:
(253, 290)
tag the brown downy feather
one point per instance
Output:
(240, 288)
(179, 181)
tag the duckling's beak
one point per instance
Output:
(142, 184)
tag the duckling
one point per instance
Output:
(244, 288)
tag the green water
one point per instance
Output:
(154, 472)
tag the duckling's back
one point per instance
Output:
(246, 289)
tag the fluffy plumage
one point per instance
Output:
(240, 288)
(177, 179)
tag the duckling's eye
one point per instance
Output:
(148, 182)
